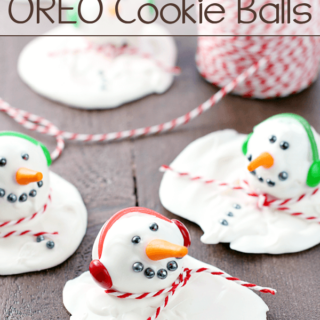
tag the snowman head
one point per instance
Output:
(283, 155)
(138, 250)
(109, 22)
(24, 175)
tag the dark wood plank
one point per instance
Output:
(106, 176)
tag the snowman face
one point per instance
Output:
(282, 148)
(129, 255)
(20, 162)
(109, 23)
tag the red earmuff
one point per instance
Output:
(184, 231)
(100, 274)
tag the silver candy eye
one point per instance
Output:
(136, 239)
(284, 145)
(172, 266)
(162, 274)
(283, 176)
(273, 139)
(149, 273)
(154, 227)
(137, 267)
(25, 157)
(3, 162)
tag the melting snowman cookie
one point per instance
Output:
(141, 270)
(257, 192)
(38, 208)
(92, 71)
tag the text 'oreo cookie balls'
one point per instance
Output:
(257, 192)
(38, 208)
(141, 270)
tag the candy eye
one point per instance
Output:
(25, 157)
(283, 176)
(284, 145)
(136, 239)
(3, 162)
(154, 227)
(273, 139)
(249, 157)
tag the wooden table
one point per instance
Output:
(118, 175)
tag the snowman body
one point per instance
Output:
(231, 216)
(201, 298)
(91, 71)
(50, 205)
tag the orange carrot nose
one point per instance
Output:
(25, 176)
(161, 249)
(265, 160)
(112, 10)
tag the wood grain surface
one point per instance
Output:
(117, 175)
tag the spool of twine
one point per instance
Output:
(293, 61)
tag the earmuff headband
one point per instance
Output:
(307, 128)
(34, 141)
(313, 177)
(118, 216)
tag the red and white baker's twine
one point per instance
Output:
(182, 280)
(263, 201)
(24, 220)
(39, 124)
(293, 60)
(111, 51)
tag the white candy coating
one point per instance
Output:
(62, 69)
(204, 297)
(218, 156)
(66, 213)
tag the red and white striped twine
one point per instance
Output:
(24, 220)
(26, 232)
(182, 280)
(263, 201)
(39, 124)
(293, 61)
(111, 51)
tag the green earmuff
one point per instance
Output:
(313, 178)
(34, 141)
